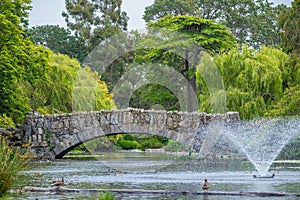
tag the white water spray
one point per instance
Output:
(262, 139)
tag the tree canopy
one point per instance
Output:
(289, 21)
(252, 22)
(57, 94)
(161, 8)
(256, 82)
(59, 40)
(182, 40)
(20, 60)
(95, 20)
(33, 77)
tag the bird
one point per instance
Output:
(205, 185)
(115, 172)
(58, 182)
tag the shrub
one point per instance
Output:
(127, 144)
(11, 162)
(6, 121)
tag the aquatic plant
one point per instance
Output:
(106, 196)
(12, 161)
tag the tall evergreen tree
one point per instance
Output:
(95, 20)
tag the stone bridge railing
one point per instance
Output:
(52, 136)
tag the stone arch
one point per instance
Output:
(52, 136)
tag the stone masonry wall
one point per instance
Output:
(52, 136)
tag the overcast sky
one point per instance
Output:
(49, 12)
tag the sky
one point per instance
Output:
(49, 12)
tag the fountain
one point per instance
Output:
(262, 139)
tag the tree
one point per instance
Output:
(18, 8)
(64, 80)
(94, 20)
(161, 8)
(255, 81)
(183, 38)
(154, 96)
(59, 40)
(252, 22)
(289, 22)
(20, 60)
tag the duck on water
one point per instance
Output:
(58, 182)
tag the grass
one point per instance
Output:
(11, 162)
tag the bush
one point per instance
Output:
(6, 121)
(128, 137)
(152, 142)
(11, 162)
(127, 144)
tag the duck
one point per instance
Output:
(36, 173)
(205, 185)
(58, 182)
(115, 172)
(119, 172)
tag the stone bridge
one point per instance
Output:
(53, 136)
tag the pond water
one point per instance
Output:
(154, 172)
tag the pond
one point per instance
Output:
(156, 171)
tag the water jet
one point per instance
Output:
(262, 139)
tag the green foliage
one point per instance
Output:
(111, 57)
(90, 93)
(289, 22)
(153, 142)
(252, 22)
(128, 144)
(151, 95)
(289, 104)
(106, 196)
(254, 81)
(59, 40)
(93, 21)
(12, 161)
(161, 8)
(128, 137)
(129, 141)
(6, 121)
(205, 33)
(20, 60)
(19, 8)
(182, 40)
(56, 93)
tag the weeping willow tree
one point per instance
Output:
(255, 81)
(56, 93)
